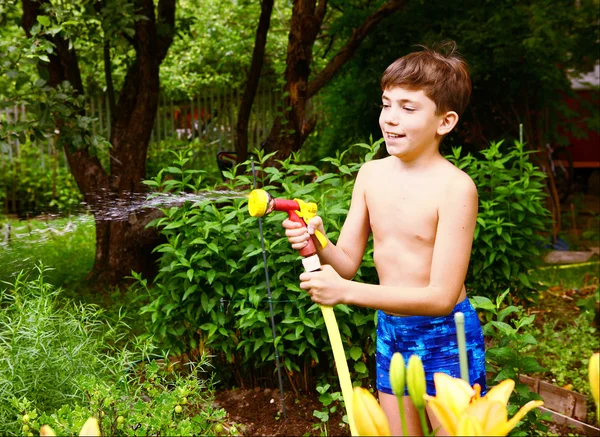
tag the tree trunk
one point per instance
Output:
(290, 130)
(258, 55)
(121, 245)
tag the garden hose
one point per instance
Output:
(261, 203)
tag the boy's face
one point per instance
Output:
(409, 123)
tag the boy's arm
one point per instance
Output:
(345, 256)
(452, 250)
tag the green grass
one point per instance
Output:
(65, 245)
(565, 330)
(66, 249)
(570, 275)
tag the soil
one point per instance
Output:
(258, 412)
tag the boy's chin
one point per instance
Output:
(395, 150)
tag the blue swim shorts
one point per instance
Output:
(433, 339)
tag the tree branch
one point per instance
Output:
(165, 27)
(348, 50)
(258, 55)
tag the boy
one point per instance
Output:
(422, 211)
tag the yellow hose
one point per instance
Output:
(340, 362)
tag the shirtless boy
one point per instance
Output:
(422, 211)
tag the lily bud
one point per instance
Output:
(90, 428)
(398, 374)
(416, 382)
(369, 418)
(593, 372)
(45, 430)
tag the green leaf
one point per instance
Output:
(189, 291)
(43, 20)
(482, 302)
(356, 353)
(360, 367)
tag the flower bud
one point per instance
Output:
(397, 374)
(593, 372)
(90, 428)
(46, 431)
(369, 418)
(416, 381)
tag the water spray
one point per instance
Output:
(261, 203)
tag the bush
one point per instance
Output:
(511, 222)
(211, 290)
(151, 399)
(48, 348)
(36, 189)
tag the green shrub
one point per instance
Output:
(151, 399)
(37, 189)
(506, 328)
(511, 222)
(211, 290)
(48, 348)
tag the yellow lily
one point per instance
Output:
(594, 375)
(462, 411)
(369, 418)
(90, 428)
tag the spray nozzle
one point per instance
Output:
(261, 203)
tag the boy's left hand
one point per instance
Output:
(325, 287)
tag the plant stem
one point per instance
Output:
(423, 421)
(402, 414)
(459, 320)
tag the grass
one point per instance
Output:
(565, 329)
(64, 245)
(49, 347)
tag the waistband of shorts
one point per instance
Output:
(463, 307)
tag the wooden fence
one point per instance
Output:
(207, 121)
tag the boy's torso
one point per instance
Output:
(403, 213)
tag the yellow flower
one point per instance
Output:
(369, 418)
(46, 431)
(593, 372)
(90, 428)
(462, 411)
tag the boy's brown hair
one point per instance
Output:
(440, 72)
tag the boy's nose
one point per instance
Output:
(392, 117)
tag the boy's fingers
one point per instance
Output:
(288, 224)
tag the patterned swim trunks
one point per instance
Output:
(433, 339)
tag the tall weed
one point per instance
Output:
(50, 347)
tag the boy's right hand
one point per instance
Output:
(298, 234)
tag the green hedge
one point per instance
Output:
(211, 289)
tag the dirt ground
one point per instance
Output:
(258, 412)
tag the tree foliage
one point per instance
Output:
(519, 54)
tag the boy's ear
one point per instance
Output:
(447, 123)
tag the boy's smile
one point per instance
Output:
(409, 122)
